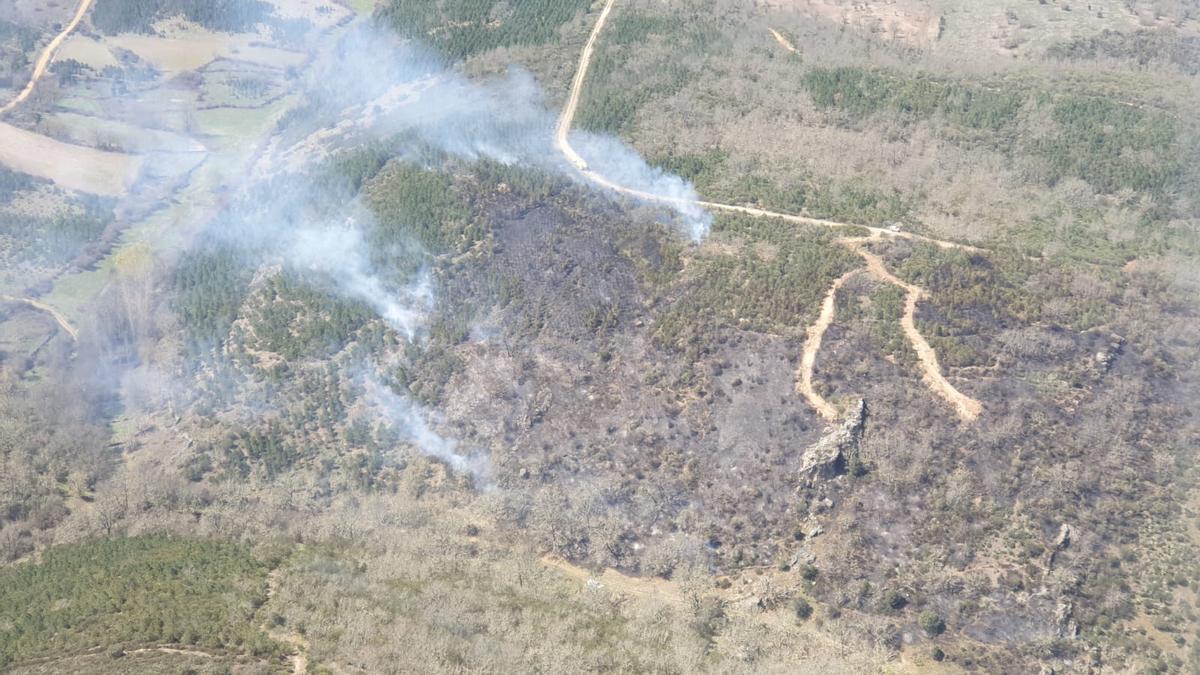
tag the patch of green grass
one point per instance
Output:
(619, 85)
(210, 286)
(298, 316)
(118, 16)
(968, 295)
(701, 168)
(1143, 47)
(22, 334)
(1111, 145)
(611, 108)
(413, 204)
(173, 227)
(882, 311)
(235, 127)
(853, 201)
(143, 663)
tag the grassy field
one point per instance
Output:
(71, 166)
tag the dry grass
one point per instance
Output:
(71, 166)
(908, 21)
(192, 48)
(88, 51)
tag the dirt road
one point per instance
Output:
(58, 316)
(812, 346)
(968, 409)
(299, 655)
(47, 55)
(562, 141)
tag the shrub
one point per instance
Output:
(116, 16)
(122, 592)
(894, 600)
(802, 608)
(931, 623)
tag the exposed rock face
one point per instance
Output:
(1106, 356)
(1064, 618)
(827, 457)
(1065, 534)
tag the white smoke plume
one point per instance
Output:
(416, 428)
(621, 164)
(341, 254)
(373, 86)
(390, 86)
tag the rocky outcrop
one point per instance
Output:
(1064, 619)
(828, 457)
(1065, 534)
(1106, 356)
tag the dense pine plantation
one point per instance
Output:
(130, 593)
(116, 16)
(458, 29)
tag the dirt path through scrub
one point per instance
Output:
(299, 644)
(614, 581)
(58, 316)
(968, 409)
(43, 61)
(783, 41)
(170, 650)
(812, 346)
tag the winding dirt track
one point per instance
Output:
(967, 408)
(562, 141)
(783, 41)
(43, 62)
(812, 345)
(58, 316)
(299, 645)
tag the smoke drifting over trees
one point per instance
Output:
(383, 332)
